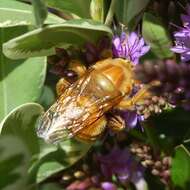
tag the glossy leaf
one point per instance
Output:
(156, 36)
(127, 10)
(77, 7)
(43, 41)
(53, 159)
(13, 163)
(40, 11)
(180, 171)
(20, 81)
(21, 123)
(17, 13)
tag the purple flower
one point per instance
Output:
(121, 164)
(182, 38)
(132, 119)
(182, 43)
(130, 47)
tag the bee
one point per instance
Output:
(80, 111)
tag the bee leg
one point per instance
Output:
(139, 96)
(61, 85)
(116, 123)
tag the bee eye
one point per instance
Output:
(70, 75)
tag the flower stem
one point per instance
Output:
(110, 14)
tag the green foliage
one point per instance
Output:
(47, 97)
(151, 133)
(21, 81)
(156, 35)
(180, 171)
(17, 143)
(13, 163)
(172, 127)
(53, 159)
(50, 186)
(40, 12)
(77, 7)
(97, 10)
(21, 123)
(17, 13)
(42, 41)
(127, 10)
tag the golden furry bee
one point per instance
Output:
(80, 109)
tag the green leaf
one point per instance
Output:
(17, 13)
(151, 134)
(50, 186)
(40, 12)
(172, 126)
(14, 161)
(47, 97)
(156, 36)
(47, 169)
(43, 41)
(180, 171)
(110, 12)
(53, 159)
(21, 123)
(97, 10)
(20, 81)
(77, 7)
(19, 126)
(127, 10)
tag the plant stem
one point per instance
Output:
(110, 14)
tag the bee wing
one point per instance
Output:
(76, 109)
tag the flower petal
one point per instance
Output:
(185, 57)
(178, 49)
(116, 42)
(144, 50)
(130, 118)
(132, 38)
(123, 37)
(130, 47)
(108, 186)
